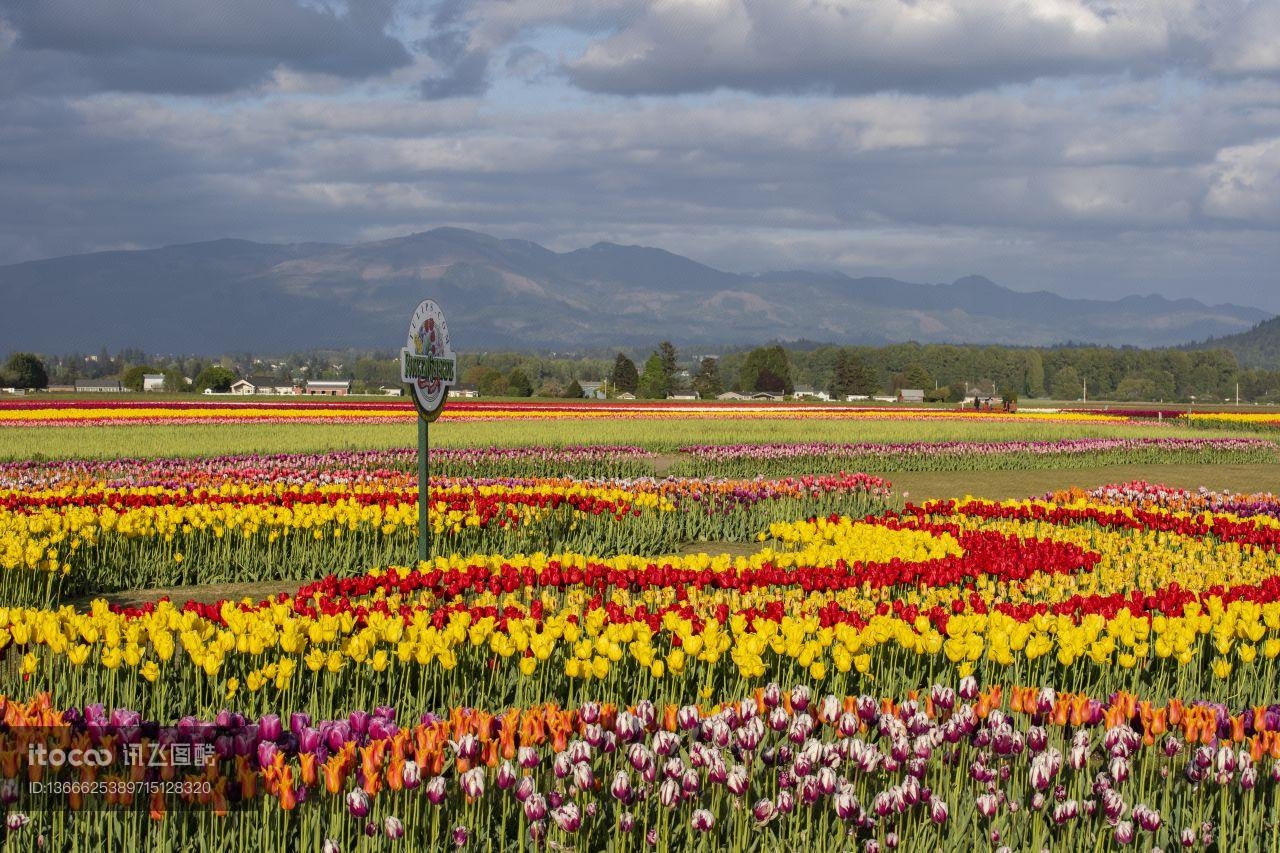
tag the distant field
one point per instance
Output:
(668, 434)
(1002, 485)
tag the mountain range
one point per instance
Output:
(1259, 347)
(229, 295)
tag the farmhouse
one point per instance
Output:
(153, 382)
(805, 392)
(682, 396)
(731, 395)
(764, 395)
(98, 386)
(911, 395)
(263, 385)
(464, 391)
(593, 390)
(329, 387)
(626, 395)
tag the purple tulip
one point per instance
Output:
(266, 752)
(621, 787)
(309, 740)
(738, 781)
(987, 805)
(270, 728)
(411, 775)
(506, 776)
(567, 817)
(702, 820)
(358, 803)
(535, 807)
(299, 721)
(472, 782)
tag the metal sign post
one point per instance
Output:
(428, 366)
(424, 478)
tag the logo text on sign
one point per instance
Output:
(427, 363)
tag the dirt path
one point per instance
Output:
(202, 593)
(664, 462)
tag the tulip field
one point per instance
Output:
(681, 642)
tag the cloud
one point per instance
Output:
(198, 47)
(849, 46)
(1137, 153)
(1251, 42)
(1246, 183)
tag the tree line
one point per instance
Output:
(944, 372)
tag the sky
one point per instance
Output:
(1095, 148)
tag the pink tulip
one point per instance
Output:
(702, 820)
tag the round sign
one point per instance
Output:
(427, 363)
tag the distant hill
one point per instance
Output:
(1258, 347)
(227, 295)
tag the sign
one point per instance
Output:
(427, 363)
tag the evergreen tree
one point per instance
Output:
(851, 376)
(574, 391)
(653, 382)
(518, 384)
(1034, 386)
(667, 353)
(624, 379)
(707, 383)
(917, 377)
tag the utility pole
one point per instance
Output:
(1084, 398)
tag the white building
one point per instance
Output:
(153, 382)
(804, 392)
(99, 386)
(262, 385)
(328, 387)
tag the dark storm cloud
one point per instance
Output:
(196, 46)
(1140, 153)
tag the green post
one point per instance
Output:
(424, 534)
